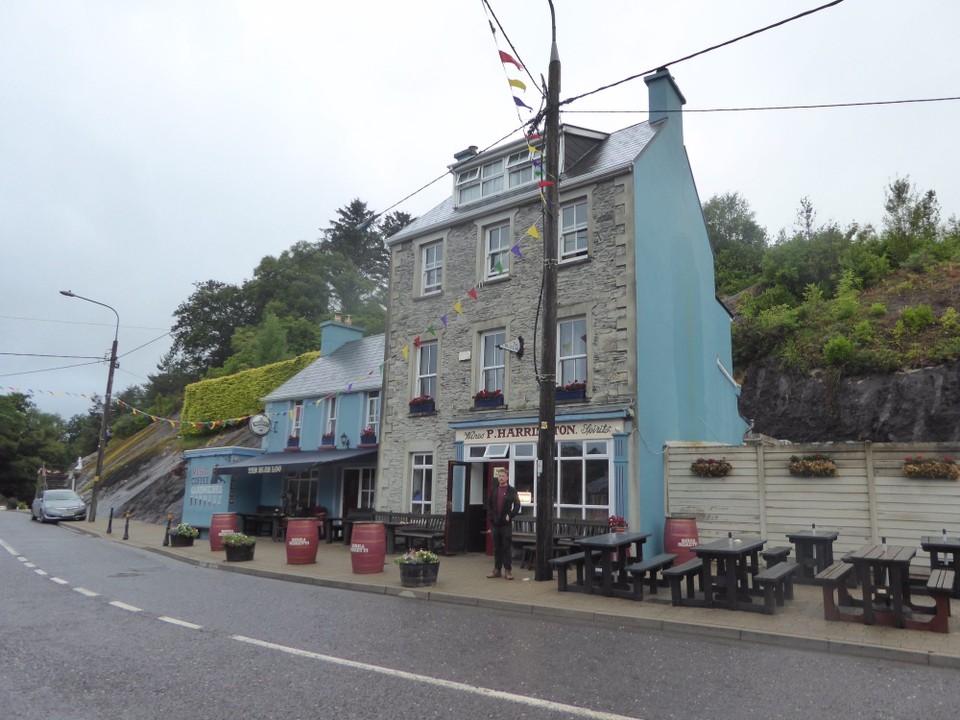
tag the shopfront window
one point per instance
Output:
(300, 491)
(583, 479)
(422, 485)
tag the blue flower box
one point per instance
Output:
(488, 402)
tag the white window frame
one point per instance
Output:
(592, 453)
(421, 475)
(331, 426)
(493, 370)
(574, 226)
(500, 253)
(372, 411)
(519, 169)
(431, 268)
(494, 177)
(367, 487)
(296, 419)
(570, 363)
(427, 379)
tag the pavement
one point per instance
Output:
(463, 581)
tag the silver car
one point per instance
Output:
(54, 505)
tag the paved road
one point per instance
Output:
(126, 633)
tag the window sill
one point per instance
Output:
(496, 279)
(580, 260)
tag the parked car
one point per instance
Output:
(54, 505)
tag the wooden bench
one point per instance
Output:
(940, 586)
(564, 561)
(675, 575)
(777, 584)
(836, 579)
(426, 530)
(652, 566)
(775, 555)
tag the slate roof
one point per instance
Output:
(614, 153)
(351, 363)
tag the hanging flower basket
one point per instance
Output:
(710, 467)
(816, 465)
(933, 468)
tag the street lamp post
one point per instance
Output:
(92, 512)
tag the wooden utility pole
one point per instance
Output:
(546, 446)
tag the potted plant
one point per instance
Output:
(815, 465)
(183, 535)
(327, 440)
(617, 523)
(575, 390)
(418, 568)
(368, 436)
(293, 443)
(934, 468)
(488, 398)
(239, 547)
(710, 467)
(422, 404)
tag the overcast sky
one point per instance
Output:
(146, 145)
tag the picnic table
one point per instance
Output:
(884, 574)
(814, 552)
(944, 554)
(609, 545)
(737, 563)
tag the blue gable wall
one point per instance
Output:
(681, 328)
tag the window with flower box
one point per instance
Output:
(573, 231)
(571, 351)
(492, 361)
(421, 490)
(372, 420)
(427, 369)
(331, 426)
(296, 419)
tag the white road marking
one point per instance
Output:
(59, 581)
(29, 564)
(84, 591)
(448, 684)
(22, 559)
(181, 623)
(38, 571)
(124, 606)
(8, 548)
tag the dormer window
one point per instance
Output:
(504, 173)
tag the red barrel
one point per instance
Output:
(302, 539)
(680, 536)
(220, 524)
(368, 547)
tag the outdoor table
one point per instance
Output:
(737, 562)
(609, 544)
(944, 553)
(884, 573)
(254, 523)
(814, 552)
(328, 525)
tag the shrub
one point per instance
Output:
(917, 318)
(949, 321)
(838, 351)
(878, 309)
(845, 307)
(863, 332)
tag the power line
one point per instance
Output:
(64, 357)
(813, 106)
(54, 369)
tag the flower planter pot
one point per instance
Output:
(368, 441)
(427, 407)
(239, 553)
(488, 402)
(415, 575)
(328, 442)
(180, 541)
(563, 395)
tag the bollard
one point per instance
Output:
(126, 528)
(110, 523)
(166, 535)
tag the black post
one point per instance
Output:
(546, 446)
(166, 535)
(126, 528)
(110, 523)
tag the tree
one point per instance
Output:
(912, 221)
(737, 241)
(206, 322)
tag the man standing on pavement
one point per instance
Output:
(503, 505)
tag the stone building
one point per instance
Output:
(643, 345)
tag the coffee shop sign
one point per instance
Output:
(565, 430)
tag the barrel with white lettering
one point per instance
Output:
(368, 547)
(680, 537)
(221, 524)
(302, 536)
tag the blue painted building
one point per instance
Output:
(644, 350)
(321, 447)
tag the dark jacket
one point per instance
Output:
(511, 505)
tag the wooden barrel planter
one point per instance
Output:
(221, 524)
(239, 553)
(368, 547)
(302, 538)
(417, 575)
(680, 536)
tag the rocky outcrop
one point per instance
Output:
(916, 406)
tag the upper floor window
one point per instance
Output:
(494, 177)
(331, 416)
(431, 268)
(427, 369)
(497, 251)
(571, 351)
(372, 419)
(492, 360)
(573, 230)
(296, 419)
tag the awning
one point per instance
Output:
(282, 461)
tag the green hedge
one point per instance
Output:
(238, 395)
